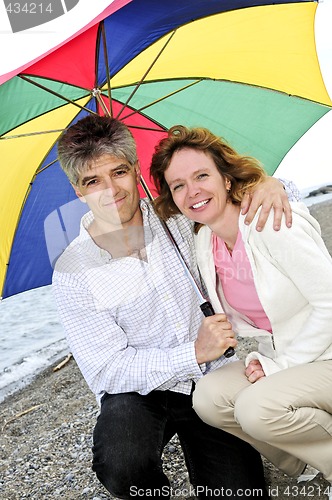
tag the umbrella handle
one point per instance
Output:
(207, 310)
(206, 307)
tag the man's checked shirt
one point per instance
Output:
(131, 324)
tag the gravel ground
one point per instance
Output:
(46, 429)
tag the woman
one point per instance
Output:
(275, 287)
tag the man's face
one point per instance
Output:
(109, 187)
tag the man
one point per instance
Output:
(135, 328)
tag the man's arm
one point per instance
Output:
(272, 193)
(214, 337)
(113, 360)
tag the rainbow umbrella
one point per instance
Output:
(246, 70)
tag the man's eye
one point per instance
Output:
(120, 172)
(91, 182)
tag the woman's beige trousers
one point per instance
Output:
(286, 416)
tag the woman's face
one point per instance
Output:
(197, 187)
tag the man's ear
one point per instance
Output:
(78, 193)
(138, 172)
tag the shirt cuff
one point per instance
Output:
(184, 362)
(291, 189)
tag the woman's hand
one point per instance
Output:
(254, 371)
(268, 194)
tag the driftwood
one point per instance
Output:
(19, 415)
(63, 363)
(33, 408)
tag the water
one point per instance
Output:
(31, 338)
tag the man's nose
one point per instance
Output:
(109, 186)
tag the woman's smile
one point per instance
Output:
(200, 204)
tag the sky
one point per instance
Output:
(308, 164)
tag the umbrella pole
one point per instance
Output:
(205, 305)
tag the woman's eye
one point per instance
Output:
(201, 176)
(177, 187)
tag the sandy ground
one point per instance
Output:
(46, 428)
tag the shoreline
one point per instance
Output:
(46, 439)
(46, 435)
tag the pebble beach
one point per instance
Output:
(46, 435)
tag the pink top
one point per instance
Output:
(237, 281)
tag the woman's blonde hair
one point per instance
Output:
(244, 172)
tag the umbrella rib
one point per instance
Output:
(97, 95)
(30, 134)
(145, 74)
(147, 128)
(46, 166)
(162, 98)
(69, 101)
(108, 76)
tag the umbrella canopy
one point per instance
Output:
(246, 70)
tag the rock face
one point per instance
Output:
(322, 190)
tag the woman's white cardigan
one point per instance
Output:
(292, 272)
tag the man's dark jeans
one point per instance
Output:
(130, 435)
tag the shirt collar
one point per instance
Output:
(92, 248)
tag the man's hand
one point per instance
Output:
(254, 371)
(269, 193)
(215, 335)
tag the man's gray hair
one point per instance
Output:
(91, 137)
